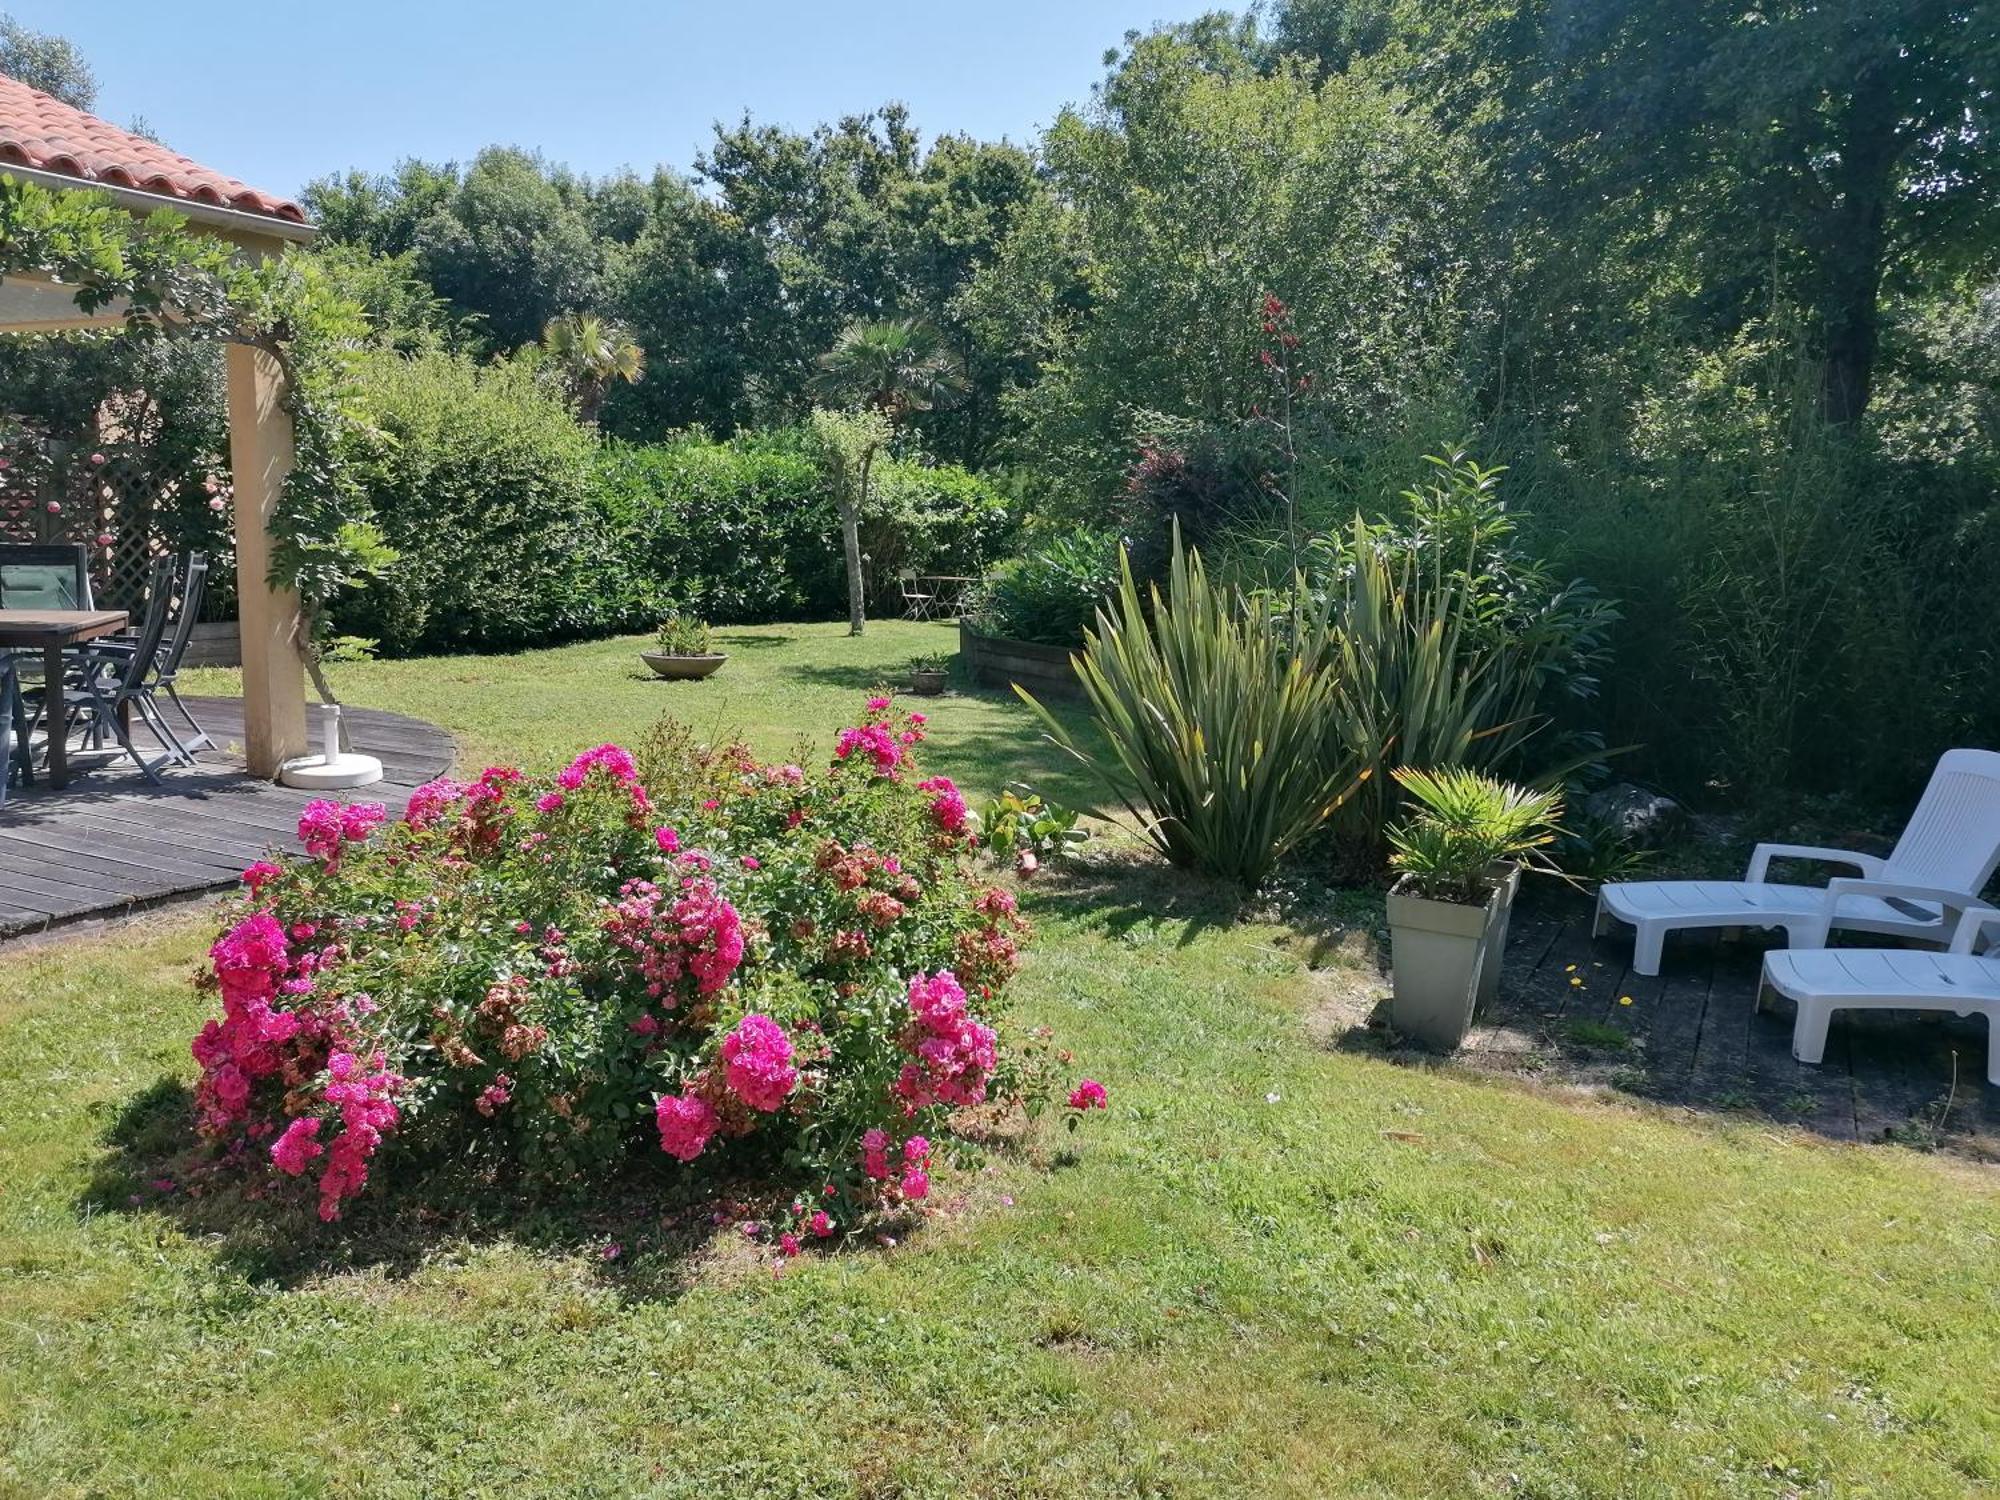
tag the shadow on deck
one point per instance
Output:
(1692, 1036)
(108, 843)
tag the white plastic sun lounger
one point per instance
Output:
(1947, 853)
(1831, 979)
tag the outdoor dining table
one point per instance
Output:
(958, 583)
(52, 632)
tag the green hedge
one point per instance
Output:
(483, 483)
(515, 526)
(745, 530)
(723, 530)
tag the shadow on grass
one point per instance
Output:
(664, 1221)
(854, 679)
(1116, 891)
(743, 640)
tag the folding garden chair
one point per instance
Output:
(114, 682)
(45, 576)
(42, 575)
(917, 604)
(185, 614)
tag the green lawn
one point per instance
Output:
(782, 684)
(1275, 1267)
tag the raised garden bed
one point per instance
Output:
(995, 661)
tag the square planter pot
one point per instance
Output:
(1508, 878)
(1440, 952)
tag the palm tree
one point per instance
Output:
(892, 367)
(896, 366)
(591, 355)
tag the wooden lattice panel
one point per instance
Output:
(110, 500)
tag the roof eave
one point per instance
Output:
(232, 221)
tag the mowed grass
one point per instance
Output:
(782, 684)
(1272, 1268)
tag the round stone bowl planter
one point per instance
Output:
(683, 668)
(927, 684)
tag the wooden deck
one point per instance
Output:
(1693, 1036)
(108, 843)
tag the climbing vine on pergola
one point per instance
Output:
(169, 281)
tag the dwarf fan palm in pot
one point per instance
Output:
(1459, 859)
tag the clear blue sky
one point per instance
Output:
(280, 92)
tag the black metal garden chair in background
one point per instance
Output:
(194, 585)
(45, 575)
(14, 761)
(111, 683)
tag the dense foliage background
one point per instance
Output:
(1720, 287)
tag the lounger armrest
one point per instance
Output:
(1761, 857)
(1951, 901)
(1978, 918)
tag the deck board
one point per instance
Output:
(109, 843)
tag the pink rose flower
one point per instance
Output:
(686, 1124)
(757, 1059)
(1089, 1094)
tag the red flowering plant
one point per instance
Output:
(686, 953)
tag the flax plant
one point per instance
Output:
(1223, 715)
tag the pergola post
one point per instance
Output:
(260, 456)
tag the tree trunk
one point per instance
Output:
(1854, 239)
(851, 501)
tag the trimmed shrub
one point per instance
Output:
(934, 518)
(515, 527)
(678, 955)
(480, 479)
(746, 530)
(729, 531)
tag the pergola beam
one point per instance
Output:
(260, 456)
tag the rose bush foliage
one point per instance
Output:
(683, 952)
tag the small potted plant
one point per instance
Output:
(927, 673)
(1459, 858)
(683, 650)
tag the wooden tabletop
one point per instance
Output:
(58, 627)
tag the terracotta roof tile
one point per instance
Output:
(44, 133)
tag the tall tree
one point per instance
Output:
(1698, 148)
(1192, 187)
(896, 366)
(45, 61)
(849, 442)
(890, 369)
(1851, 131)
(510, 240)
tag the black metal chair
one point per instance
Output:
(194, 584)
(112, 682)
(185, 614)
(14, 757)
(42, 575)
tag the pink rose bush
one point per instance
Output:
(678, 956)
